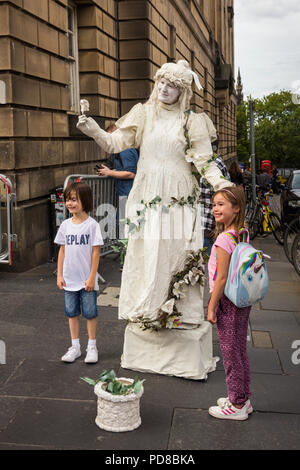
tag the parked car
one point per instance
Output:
(284, 174)
(290, 197)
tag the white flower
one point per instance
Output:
(168, 306)
(173, 322)
(179, 288)
(156, 324)
(169, 323)
(189, 156)
(194, 275)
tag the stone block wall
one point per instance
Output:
(121, 44)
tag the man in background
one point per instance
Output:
(122, 167)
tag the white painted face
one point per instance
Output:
(167, 92)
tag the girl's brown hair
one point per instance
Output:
(236, 196)
(83, 192)
(235, 170)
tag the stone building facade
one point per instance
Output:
(52, 52)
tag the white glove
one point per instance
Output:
(88, 126)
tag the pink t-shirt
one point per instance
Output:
(225, 242)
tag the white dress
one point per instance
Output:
(159, 249)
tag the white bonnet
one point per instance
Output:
(180, 74)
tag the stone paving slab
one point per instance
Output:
(282, 326)
(261, 339)
(273, 320)
(176, 392)
(38, 305)
(282, 271)
(264, 361)
(276, 431)
(290, 360)
(54, 379)
(283, 302)
(275, 393)
(261, 360)
(8, 409)
(74, 426)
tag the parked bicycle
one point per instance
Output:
(261, 220)
(296, 253)
(291, 230)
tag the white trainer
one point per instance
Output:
(91, 355)
(229, 412)
(225, 401)
(72, 354)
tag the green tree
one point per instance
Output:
(243, 143)
(277, 129)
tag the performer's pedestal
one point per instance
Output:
(179, 352)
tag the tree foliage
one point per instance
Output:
(243, 129)
(277, 130)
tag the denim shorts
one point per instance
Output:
(81, 301)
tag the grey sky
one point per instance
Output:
(267, 45)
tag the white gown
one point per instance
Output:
(159, 249)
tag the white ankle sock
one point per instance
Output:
(76, 343)
(92, 342)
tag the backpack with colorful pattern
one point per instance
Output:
(248, 280)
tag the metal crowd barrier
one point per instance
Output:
(105, 207)
(7, 237)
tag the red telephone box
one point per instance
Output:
(266, 165)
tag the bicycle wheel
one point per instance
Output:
(252, 223)
(276, 227)
(290, 232)
(296, 253)
(260, 221)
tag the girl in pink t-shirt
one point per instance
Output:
(231, 321)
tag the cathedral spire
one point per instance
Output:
(239, 88)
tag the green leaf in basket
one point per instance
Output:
(138, 386)
(88, 380)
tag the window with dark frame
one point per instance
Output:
(172, 43)
(73, 59)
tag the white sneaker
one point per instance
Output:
(72, 354)
(91, 355)
(229, 412)
(225, 401)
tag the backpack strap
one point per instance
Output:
(237, 263)
(243, 235)
(233, 238)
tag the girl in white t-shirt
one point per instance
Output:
(79, 238)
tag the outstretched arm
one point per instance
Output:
(111, 143)
(123, 138)
(200, 153)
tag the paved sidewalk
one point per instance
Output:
(45, 405)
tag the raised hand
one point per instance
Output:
(88, 126)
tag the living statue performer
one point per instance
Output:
(161, 293)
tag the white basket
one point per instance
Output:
(118, 413)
